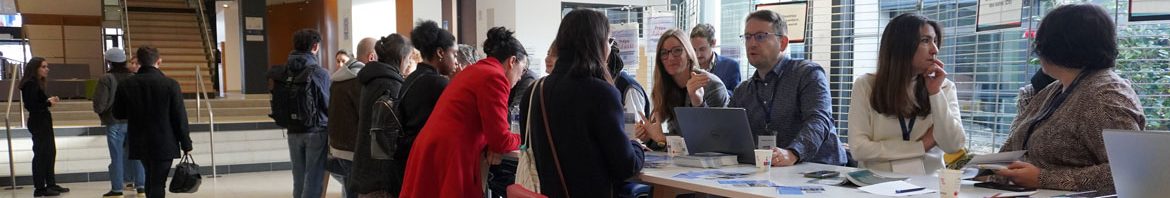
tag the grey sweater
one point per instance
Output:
(1067, 147)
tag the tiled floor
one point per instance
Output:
(277, 184)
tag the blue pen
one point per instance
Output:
(908, 190)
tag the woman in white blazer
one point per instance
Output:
(904, 117)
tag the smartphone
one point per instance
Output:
(1007, 187)
(825, 174)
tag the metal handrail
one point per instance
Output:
(200, 98)
(204, 32)
(126, 27)
(8, 125)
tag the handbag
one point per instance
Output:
(517, 190)
(527, 181)
(186, 178)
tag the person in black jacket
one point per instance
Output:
(371, 176)
(584, 114)
(40, 125)
(423, 86)
(152, 105)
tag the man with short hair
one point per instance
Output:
(787, 100)
(156, 119)
(346, 92)
(727, 69)
(307, 137)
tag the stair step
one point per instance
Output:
(198, 51)
(151, 23)
(156, 16)
(86, 105)
(165, 43)
(136, 29)
(157, 4)
(170, 37)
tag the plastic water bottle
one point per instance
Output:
(514, 119)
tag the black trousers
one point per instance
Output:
(500, 176)
(44, 154)
(156, 176)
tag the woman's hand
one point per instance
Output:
(695, 86)
(53, 100)
(928, 139)
(935, 77)
(648, 129)
(1022, 174)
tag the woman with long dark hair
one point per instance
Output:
(40, 125)
(904, 117)
(578, 108)
(678, 82)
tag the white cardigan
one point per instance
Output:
(876, 140)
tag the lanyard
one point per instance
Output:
(767, 105)
(1053, 104)
(906, 127)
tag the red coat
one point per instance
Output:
(471, 115)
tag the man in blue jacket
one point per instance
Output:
(726, 68)
(309, 146)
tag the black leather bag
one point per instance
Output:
(186, 178)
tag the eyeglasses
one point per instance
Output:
(758, 36)
(676, 52)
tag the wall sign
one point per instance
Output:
(999, 14)
(1149, 10)
(794, 14)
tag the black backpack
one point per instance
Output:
(386, 125)
(294, 99)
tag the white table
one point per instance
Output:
(665, 185)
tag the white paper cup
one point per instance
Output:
(949, 182)
(763, 159)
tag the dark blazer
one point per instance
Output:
(37, 103)
(585, 116)
(153, 106)
(728, 70)
(369, 174)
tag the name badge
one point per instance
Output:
(766, 142)
(676, 146)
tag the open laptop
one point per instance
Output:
(722, 130)
(1138, 168)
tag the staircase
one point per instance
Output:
(172, 26)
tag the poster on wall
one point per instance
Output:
(794, 14)
(659, 23)
(625, 37)
(998, 14)
(1149, 10)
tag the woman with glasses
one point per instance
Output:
(678, 82)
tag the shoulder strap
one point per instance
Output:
(548, 133)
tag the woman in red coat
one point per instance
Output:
(471, 116)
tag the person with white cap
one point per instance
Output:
(121, 167)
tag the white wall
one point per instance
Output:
(430, 10)
(541, 19)
(227, 21)
(345, 25)
(372, 18)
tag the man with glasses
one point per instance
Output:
(787, 100)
